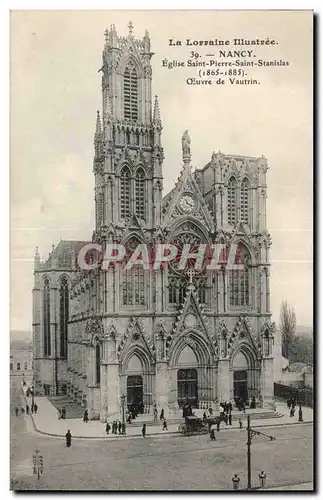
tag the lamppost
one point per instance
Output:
(123, 399)
(38, 464)
(251, 433)
(262, 479)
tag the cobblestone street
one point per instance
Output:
(174, 462)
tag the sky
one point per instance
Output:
(56, 90)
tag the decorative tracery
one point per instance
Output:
(63, 316)
(244, 201)
(46, 317)
(140, 194)
(232, 205)
(240, 279)
(125, 193)
(130, 93)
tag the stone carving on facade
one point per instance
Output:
(186, 144)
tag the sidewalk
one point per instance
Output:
(46, 422)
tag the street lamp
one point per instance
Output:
(235, 481)
(251, 433)
(123, 399)
(262, 479)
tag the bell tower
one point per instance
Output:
(127, 142)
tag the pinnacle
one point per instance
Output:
(98, 123)
(156, 115)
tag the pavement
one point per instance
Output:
(46, 422)
(169, 462)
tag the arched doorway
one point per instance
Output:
(135, 392)
(187, 387)
(240, 385)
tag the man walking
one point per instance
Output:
(107, 428)
(27, 409)
(143, 430)
(119, 427)
(240, 423)
(86, 416)
(165, 425)
(68, 437)
(230, 418)
(17, 412)
(35, 408)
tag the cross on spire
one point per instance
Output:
(130, 26)
(191, 274)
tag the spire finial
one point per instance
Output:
(130, 26)
(106, 34)
(186, 148)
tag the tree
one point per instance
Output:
(287, 328)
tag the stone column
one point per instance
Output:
(267, 382)
(112, 374)
(223, 384)
(161, 378)
(103, 387)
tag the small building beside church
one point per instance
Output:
(159, 337)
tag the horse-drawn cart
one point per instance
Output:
(193, 425)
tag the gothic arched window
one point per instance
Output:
(46, 318)
(140, 194)
(125, 194)
(240, 279)
(133, 279)
(63, 316)
(244, 201)
(232, 205)
(97, 363)
(133, 286)
(130, 94)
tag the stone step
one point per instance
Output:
(259, 415)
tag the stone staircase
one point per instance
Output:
(258, 414)
(73, 409)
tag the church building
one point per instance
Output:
(113, 337)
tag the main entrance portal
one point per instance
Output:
(240, 384)
(135, 393)
(187, 387)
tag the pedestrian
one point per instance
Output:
(161, 417)
(155, 413)
(86, 416)
(300, 414)
(165, 425)
(288, 403)
(63, 413)
(35, 408)
(240, 423)
(230, 418)
(107, 428)
(292, 411)
(68, 437)
(218, 425)
(210, 411)
(114, 427)
(143, 430)
(226, 418)
(17, 412)
(59, 413)
(31, 408)
(119, 427)
(204, 417)
(27, 409)
(212, 435)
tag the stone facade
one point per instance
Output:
(158, 336)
